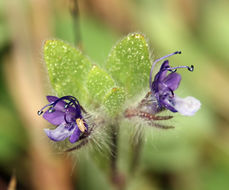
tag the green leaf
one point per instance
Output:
(67, 69)
(99, 83)
(129, 63)
(114, 100)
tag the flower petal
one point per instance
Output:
(51, 98)
(60, 133)
(187, 106)
(75, 135)
(155, 87)
(172, 81)
(167, 104)
(56, 117)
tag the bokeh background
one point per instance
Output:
(195, 155)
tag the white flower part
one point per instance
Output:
(187, 106)
(60, 133)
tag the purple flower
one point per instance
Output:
(65, 113)
(164, 85)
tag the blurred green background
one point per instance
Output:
(195, 155)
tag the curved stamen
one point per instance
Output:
(71, 99)
(74, 104)
(174, 69)
(154, 63)
(39, 112)
(51, 110)
(68, 104)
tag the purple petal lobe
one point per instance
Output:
(75, 136)
(168, 105)
(60, 133)
(159, 77)
(56, 117)
(51, 98)
(172, 81)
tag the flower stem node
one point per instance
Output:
(65, 113)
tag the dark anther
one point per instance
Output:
(172, 70)
(177, 52)
(167, 66)
(39, 112)
(51, 110)
(191, 68)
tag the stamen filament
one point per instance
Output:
(173, 69)
(41, 110)
(51, 109)
(71, 99)
(154, 63)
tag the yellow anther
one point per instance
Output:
(81, 125)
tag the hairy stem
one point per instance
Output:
(117, 179)
(75, 13)
(114, 152)
(136, 151)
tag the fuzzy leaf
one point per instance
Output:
(114, 100)
(99, 83)
(129, 63)
(67, 69)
